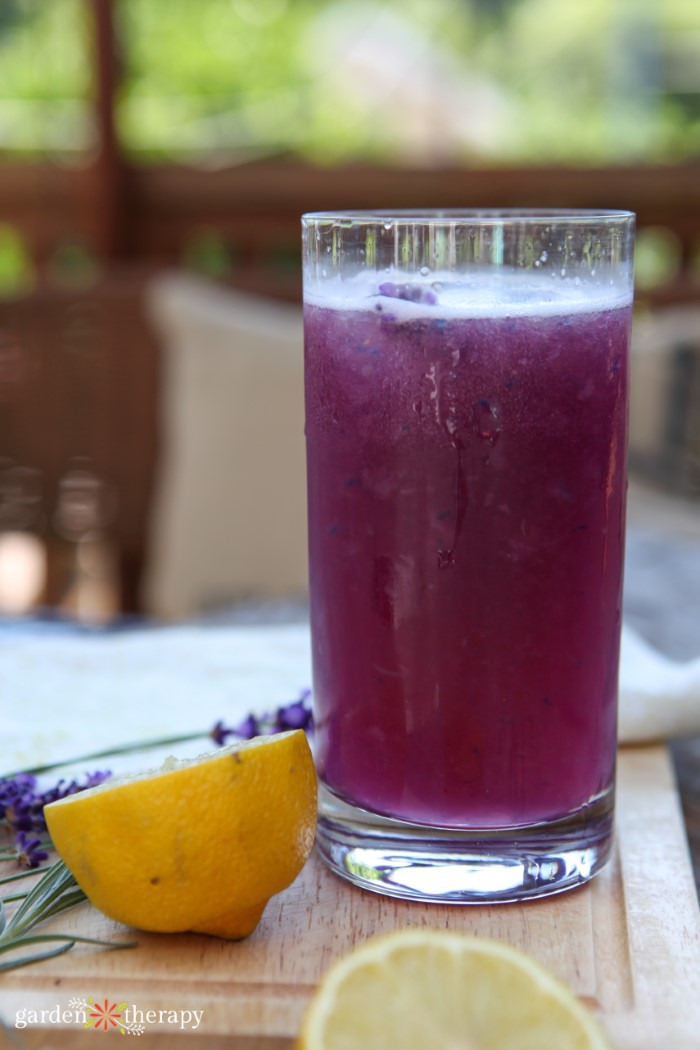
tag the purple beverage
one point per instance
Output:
(466, 485)
(466, 451)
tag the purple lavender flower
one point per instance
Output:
(21, 814)
(297, 715)
(69, 787)
(248, 728)
(414, 293)
(220, 733)
(95, 779)
(18, 801)
(294, 716)
(22, 806)
(18, 785)
(19, 789)
(28, 853)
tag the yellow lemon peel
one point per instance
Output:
(423, 989)
(199, 845)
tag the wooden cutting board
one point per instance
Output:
(628, 943)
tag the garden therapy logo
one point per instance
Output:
(107, 1015)
(102, 1015)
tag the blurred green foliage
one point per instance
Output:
(657, 257)
(477, 81)
(45, 83)
(16, 271)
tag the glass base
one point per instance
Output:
(463, 866)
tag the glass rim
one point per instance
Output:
(474, 216)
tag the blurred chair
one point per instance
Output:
(79, 382)
(665, 399)
(228, 516)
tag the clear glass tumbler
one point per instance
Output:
(466, 416)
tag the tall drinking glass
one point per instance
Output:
(466, 416)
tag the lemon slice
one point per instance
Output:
(198, 845)
(430, 990)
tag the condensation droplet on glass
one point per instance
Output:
(424, 271)
(563, 271)
(537, 263)
(593, 272)
(437, 286)
(388, 226)
(543, 256)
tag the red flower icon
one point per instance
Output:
(106, 1016)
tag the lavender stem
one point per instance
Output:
(124, 749)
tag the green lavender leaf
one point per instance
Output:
(44, 897)
(56, 891)
(22, 875)
(14, 964)
(22, 942)
(40, 938)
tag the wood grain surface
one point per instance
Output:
(628, 944)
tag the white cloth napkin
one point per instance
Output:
(659, 697)
(66, 695)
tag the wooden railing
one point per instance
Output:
(162, 215)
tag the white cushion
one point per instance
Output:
(229, 518)
(656, 336)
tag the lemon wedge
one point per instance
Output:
(198, 845)
(423, 989)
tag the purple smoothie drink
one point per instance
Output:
(466, 478)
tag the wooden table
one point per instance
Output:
(628, 943)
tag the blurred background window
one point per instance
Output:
(45, 83)
(415, 81)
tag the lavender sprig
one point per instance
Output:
(22, 805)
(55, 891)
(109, 752)
(29, 852)
(297, 715)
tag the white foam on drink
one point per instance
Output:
(496, 293)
